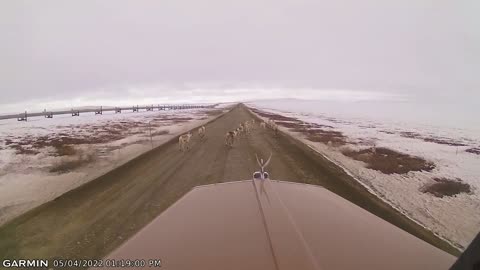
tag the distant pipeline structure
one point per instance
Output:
(99, 110)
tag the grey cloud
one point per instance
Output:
(69, 49)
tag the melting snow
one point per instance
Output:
(456, 218)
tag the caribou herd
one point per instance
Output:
(244, 129)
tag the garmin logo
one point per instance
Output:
(24, 263)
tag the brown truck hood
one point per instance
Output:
(275, 225)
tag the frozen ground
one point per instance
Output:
(452, 150)
(44, 158)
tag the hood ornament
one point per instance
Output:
(262, 174)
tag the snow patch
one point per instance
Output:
(455, 218)
(27, 180)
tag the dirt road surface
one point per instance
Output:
(94, 219)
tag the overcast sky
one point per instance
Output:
(168, 50)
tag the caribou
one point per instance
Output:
(201, 132)
(184, 142)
